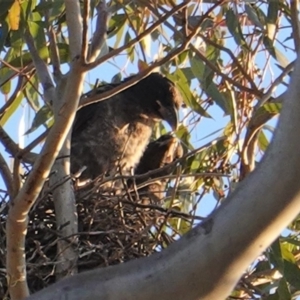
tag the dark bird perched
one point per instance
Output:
(158, 154)
(115, 132)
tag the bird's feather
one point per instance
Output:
(115, 132)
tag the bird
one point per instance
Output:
(157, 156)
(110, 136)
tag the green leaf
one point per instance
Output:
(278, 55)
(276, 257)
(292, 274)
(5, 6)
(252, 14)
(273, 8)
(195, 165)
(120, 28)
(4, 35)
(234, 28)
(5, 82)
(189, 99)
(41, 118)
(197, 67)
(263, 142)
(32, 95)
(183, 134)
(213, 92)
(11, 109)
(57, 11)
(283, 290)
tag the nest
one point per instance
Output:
(112, 230)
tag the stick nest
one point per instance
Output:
(111, 230)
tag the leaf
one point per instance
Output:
(32, 95)
(197, 67)
(278, 55)
(292, 274)
(273, 11)
(283, 290)
(234, 28)
(119, 32)
(253, 17)
(142, 65)
(286, 252)
(276, 257)
(41, 117)
(189, 99)
(263, 142)
(3, 35)
(10, 111)
(14, 15)
(5, 6)
(213, 92)
(5, 82)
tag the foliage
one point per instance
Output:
(222, 56)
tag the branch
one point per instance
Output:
(74, 23)
(19, 207)
(54, 53)
(13, 149)
(295, 23)
(100, 32)
(86, 14)
(41, 69)
(169, 57)
(228, 241)
(7, 176)
(64, 204)
(132, 42)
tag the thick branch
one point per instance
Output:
(20, 206)
(207, 262)
(74, 23)
(64, 203)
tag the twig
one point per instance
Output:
(53, 49)
(13, 149)
(132, 42)
(100, 32)
(7, 176)
(41, 68)
(85, 21)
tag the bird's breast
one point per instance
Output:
(134, 140)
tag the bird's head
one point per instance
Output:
(160, 98)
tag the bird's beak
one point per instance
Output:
(170, 115)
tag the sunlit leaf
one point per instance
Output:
(263, 142)
(11, 110)
(142, 65)
(14, 15)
